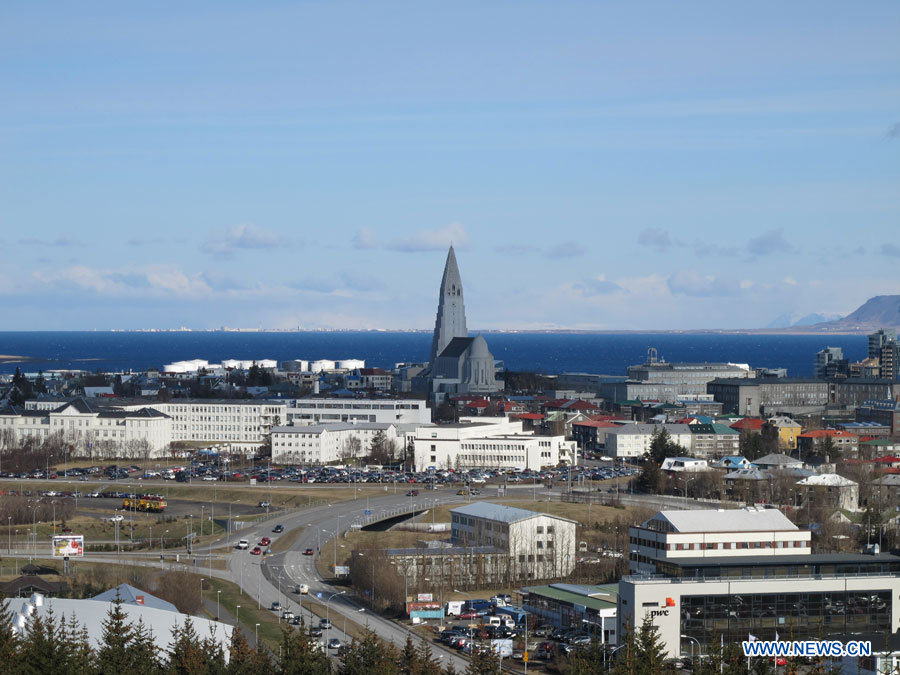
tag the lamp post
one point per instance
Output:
(237, 616)
(202, 507)
(256, 633)
(693, 640)
(685, 480)
(218, 593)
(328, 608)
(9, 534)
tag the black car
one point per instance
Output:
(278, 529)
(315, 631)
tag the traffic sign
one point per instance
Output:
(368, 512)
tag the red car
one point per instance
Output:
(265, 541)
(469, 615)
(256, 551)
(308, 551)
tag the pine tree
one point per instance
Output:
(186, 651)
(9, 639)
(482, 663)
(649, 646)
(241, 661)
(298, 657)
(409, 658)
(143, 651)
(41, 650)
(76, 645)
(114, 656)
(428, 665)
(370, 656)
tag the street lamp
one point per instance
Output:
(327, 607)
(693, 640)
(218, 592)
(257, 636)
(237, 616)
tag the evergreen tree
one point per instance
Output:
(187, 655)
(660, 444)
(299, 657)
(370, 656)
(483, 663)
(41, 649)
(649, 646)
(144, 653)
(114, 656)
(585, 661)
(241, 660)
(9, 640)
(428, 665)
(76, 645)
(409, 658)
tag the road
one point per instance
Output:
(262, 578)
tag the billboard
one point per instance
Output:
(426, 597)
(341, 571)
(68, 546)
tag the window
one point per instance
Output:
(540, 529)
(549, 529)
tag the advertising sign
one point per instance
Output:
(417, 606)
(425, 597)
(341, 571)
(68, 546)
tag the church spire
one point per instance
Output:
(451, 311)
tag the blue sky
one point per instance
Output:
(630, 166)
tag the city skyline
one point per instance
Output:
(606, 168)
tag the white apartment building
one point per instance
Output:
(381, 411)
(633, 440)
(488, 442)
(538, 545)
(91, 430)
(736, 533)
(237, 425)
(327, 443)
(240, 425)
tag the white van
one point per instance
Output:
(501, 621)
(243, 544)
(455, 607)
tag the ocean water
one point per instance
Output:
(541, 352)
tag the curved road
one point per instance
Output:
(261, 577)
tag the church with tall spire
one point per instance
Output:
(458, 364)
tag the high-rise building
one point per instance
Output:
(884, 347)
(830, 362)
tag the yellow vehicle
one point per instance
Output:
(150, 503)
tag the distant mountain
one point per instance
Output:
(882, 311)
(791, 319)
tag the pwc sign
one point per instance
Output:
(664, 608)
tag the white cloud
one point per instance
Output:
(772, 241)
(364, 239)
(597, 285)
(655, 238)
(157, 280)
(433, 240)
(790, 281)
(223, 243)
(689, 282)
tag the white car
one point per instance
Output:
(302, 589)
(118, 518)
(243, 544)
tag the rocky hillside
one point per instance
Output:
(882, 311)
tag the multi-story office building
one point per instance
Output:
(488, 443)
(687, 378)
(327, 443)
(633, 440)
(830, 362)
(885, 412)
(883, 346)
(538, 545)
(377, 410)
(713, 576)
(90, 429)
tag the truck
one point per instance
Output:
(517, 615)
(479, 605)
(146, 503)
(455, 607)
